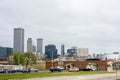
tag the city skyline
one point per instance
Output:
(86, 24)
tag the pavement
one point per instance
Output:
(106, 76)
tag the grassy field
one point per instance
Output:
(44, 74)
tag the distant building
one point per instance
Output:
(40, 45)
(62, 50)
(100, 56)
(18, 40)
(112, 56)
(33, 48)
(29, 45)
(72, 51)
(50, 52)
(5, 51)
(82, 52)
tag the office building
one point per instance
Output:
(72, 51)
(82, 52)
(62, 50)
(50, 52)
(34, 48)
(29, 45)
(40, 45)
(5, 51)
(112, 56)
(18, 39)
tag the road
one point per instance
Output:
(106, 76)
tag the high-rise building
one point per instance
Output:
(18, 40)
(50, 52)
(62, 50)
(72, 51)
(82, 52)
(34, 48)
(29, 45)
(40, 45)
(5, 51)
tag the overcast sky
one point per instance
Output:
(93, 24)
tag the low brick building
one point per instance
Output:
(100, 64)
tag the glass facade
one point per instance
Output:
(5, 51)
(50, 52)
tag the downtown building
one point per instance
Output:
(72, 52)
(62, 50)
(18, 40)
(29, 45)
(51, 52)
(82, 53)
(5, 52)
(39, 46)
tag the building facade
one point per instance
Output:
(62, 50)
(82, 52)
(39, 45)
(112, 56)
(101, 65)
(50, 52)
(29, 45)
(72, 51)
(18, 40)
(5, 51)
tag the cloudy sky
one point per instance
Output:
(93, 24)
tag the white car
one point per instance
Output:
(34, 70)
(61, 67)
(73, 69)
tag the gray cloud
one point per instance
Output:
(82, 23)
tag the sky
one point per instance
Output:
(93, 24)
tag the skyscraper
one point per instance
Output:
(62, 50)
(18, 40)
(29, 45)
(39, 45)
(51, 51)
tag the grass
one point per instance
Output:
(44, 74)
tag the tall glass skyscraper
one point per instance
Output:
(39, 45)
(18, 40)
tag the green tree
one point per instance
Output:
(30, 58)
(18, 58)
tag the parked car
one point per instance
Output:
(11, 71)
(26, 70)
(56, 68)
(34, 70)
(61, 67)
(2, 70)
(87, 69)
(73, 69)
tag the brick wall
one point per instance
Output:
(101, 65)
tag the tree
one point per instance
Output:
(18, 58)
(30, 58)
